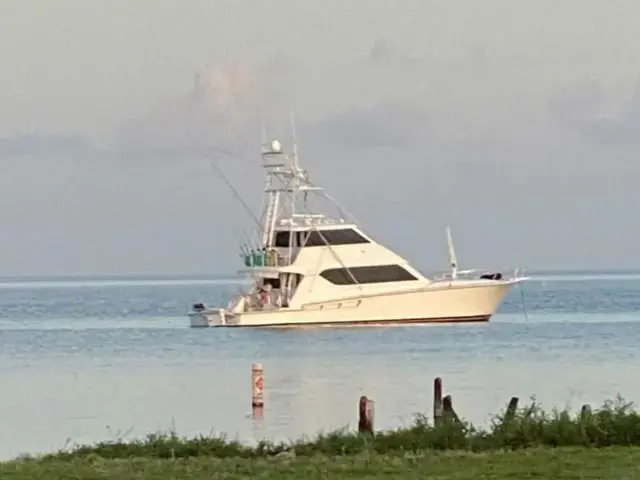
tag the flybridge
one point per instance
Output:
(286, 194)
(286, 213)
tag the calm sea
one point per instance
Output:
(89, 360)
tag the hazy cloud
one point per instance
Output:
(212, 113)
(587, 108)
(515, 126)
(224, 108)
(382, 51)
(578, 102)
(45, 145)
(384, 125)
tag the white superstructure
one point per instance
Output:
(313, 269)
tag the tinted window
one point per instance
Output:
(282, 239)
(320, 238)
(373, 274)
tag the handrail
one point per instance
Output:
(474, 274)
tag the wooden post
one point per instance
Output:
(257, 413)
(511, 409)
(437, 401)
(447, 409)
(366, 413)
(257, 399)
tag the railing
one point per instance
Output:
(475, 274)
(266, 258)
(255, 302)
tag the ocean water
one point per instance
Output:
(88, 360)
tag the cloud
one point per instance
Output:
(382, 51)
(222, 113)
(577, 103)
(215, 111)
(44, 145)
(389, 124)
(584, 109)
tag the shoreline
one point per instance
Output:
(521, 442)
(615, 424)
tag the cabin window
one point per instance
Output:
(274, 282)
(346, 236)
(319, 238)
(282, 239)
(370, 274)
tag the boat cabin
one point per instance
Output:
(276, 278)
(293, 235)
(287, 242)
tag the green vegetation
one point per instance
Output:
(616, 423)
(565, 463)
(598, 444)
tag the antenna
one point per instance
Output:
(293, 137)
(453, 262)
(264, 133)
(300, 174)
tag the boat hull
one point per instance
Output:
(437, 303)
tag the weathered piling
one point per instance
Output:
(437, 401)
(366, 414)
(257, 385)
(448, 412)
(257, 413)
(511, 409)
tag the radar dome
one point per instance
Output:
(275, 146)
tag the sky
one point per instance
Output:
(516, 122)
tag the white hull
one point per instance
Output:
(457, 301)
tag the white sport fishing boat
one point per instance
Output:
(310, 269)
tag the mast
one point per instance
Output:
(272, 155)
(286, 190)
(296, 167)
(286, 183)
(453, 260)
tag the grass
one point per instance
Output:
(604, 443)
(566, 463)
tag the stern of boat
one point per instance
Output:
(206, 318)
(200, 316)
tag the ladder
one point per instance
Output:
(269, 219)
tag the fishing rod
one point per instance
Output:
(235, 193)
